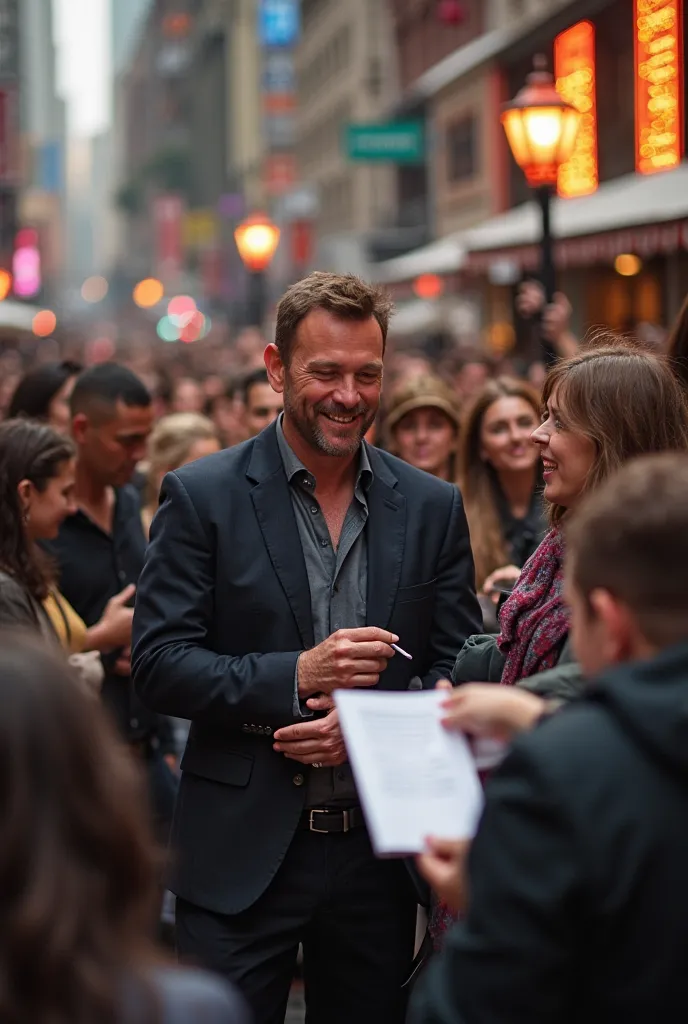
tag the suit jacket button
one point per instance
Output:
(260, 730)
(298, 780)
(268, 730)
(245, 728)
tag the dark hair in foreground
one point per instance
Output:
(37, 388)
(77, 865)
(28, 451)
(630, 538)
(343, 295)
(101, 387)
(626, 400)
(677, 348)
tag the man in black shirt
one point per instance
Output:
(100, 549)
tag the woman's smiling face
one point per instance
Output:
(567, 455)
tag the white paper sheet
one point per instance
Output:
(413, 777)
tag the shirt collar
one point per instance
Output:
(295, 469)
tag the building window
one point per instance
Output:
(461, 147)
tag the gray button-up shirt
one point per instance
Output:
(338, 583)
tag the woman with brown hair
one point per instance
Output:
(78, 871)
(501, 481)
(36, 494)
(602, 407)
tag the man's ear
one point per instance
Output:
(79, 426)
(275, 368)
(620, 630)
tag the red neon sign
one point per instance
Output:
(658, 84)
(574, 69)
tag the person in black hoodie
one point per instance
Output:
(577, 910)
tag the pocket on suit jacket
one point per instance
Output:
(218, 765)
(420, 592)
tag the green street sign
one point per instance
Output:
(401, 142)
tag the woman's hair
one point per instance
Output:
(677, 346)
(77, 863)
(626, 400)
(36, 390)
(172, 439)
(478, 478)
(28, 451)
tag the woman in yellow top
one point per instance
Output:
(36, 495)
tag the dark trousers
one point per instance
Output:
(355, 916)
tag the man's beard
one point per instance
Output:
(313, 434)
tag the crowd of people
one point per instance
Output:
(195, 555)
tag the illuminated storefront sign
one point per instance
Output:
(658, 85)
(574, 69)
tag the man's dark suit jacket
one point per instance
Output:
(222, 613)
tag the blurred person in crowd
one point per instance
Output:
(37, 466)
(277, 572)
(176, 439)
(404, 367)
(79, 868)
(100, 547)
(187, 396)
(43, 394)
(577, 905)
(262, 405)
(553, 320)
(590, 428)
(226, 410)
(422, 423)
(501, 481)
(471, 377)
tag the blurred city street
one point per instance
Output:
(359, 250)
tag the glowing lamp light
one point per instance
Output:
(94, 289)
(541, 128)
(428, 286)
(148, 292)
(44, 323)
(167, 330)
(5, 284)
(257, 239)
(627, 264)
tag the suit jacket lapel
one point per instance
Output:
(275, 515)
(386, 535)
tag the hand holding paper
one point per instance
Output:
(415, 779)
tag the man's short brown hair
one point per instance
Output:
(630, 537)
(343, 295)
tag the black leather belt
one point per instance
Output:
(329, 820)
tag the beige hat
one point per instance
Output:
(425, 392)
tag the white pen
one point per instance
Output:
(399, 650)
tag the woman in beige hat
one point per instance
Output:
(423, 426)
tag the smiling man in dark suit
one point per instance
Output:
(279, 571)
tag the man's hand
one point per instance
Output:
(347, 659)
(315, 742)
(442, 866)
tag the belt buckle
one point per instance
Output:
(311, 825)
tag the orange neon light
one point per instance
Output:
(658, 85)
(574, 70)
